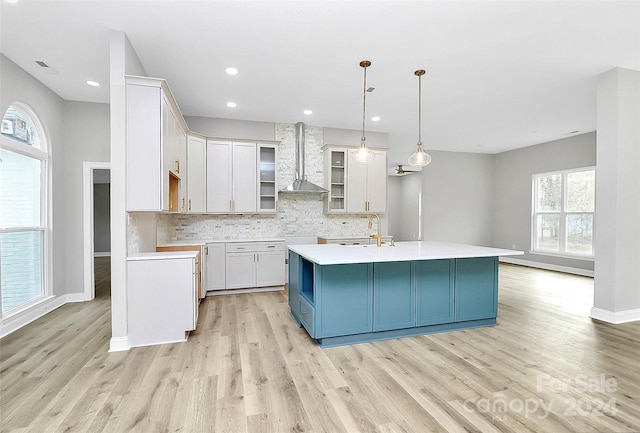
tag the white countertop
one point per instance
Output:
(332, 237)
(164, 255)
(332, 254)
(177, 242)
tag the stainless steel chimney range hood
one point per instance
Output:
(301, 184)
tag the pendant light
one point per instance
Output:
(419, 158)
(364, 155)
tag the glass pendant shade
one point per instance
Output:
(419, 158)
(364, 155)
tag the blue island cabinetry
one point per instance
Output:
(357, 302)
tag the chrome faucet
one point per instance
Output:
(377, 237)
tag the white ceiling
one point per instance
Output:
(500, 75)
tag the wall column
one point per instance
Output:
(617, 228)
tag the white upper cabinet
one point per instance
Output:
(231, 177)
(196, 174)
(367, 184)
(156, 148)
(267, 179)
(354, 187)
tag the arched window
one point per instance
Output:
(24, 236)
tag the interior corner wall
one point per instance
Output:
(86, 129)
(395, 207)
(122, 61)
(512, 191)
(456, 198)
(18, 85)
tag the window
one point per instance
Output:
(563, 212)
(23, 210)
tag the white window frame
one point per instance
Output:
(562, 236)
(44, 156)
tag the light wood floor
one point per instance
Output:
(546, 367)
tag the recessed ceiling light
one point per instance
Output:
(93, 83)
(375, 118)
(11, 1)
(232, 104)
(308, 112)
(231, 71)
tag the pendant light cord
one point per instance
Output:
(364, 100)
(419, 109)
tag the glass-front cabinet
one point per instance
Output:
(267, 188)
(335, 176)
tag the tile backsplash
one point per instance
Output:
(297, 214)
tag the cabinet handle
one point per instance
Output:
(189, 204)
(304, 314)
(271, 246)
(182, 203)
(206, 250)
(239, 248)
(177, 166)
(230, 205)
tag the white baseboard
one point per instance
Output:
(104, 254)
(34, 312)
(119, 344)
(547, 266)
(615, 317)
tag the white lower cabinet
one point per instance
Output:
(254, 264)
(216, 266)
(162, 297)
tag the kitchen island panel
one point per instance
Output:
(434, 291)
(344, 296)
(476, 288)
(394, 296)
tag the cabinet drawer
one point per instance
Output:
(307, 315)
(239, 247)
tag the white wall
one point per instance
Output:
(123, 61)
(86, 127)
(18, 85)
(457, 190)
(512, 191)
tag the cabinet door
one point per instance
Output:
(244, 177)
(196, 175)
(356, 185)
(182, 168)
(218, 176)
(344, 295)
(270, 269)
(240, 270)
(377, 183)
(393, 296)
(434, 291)
(147, 186)
(476, 288)
(335, 180)
(215, 266)
(267, 178)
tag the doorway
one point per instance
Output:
(96, 226)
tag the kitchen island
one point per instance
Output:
(345, 294)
